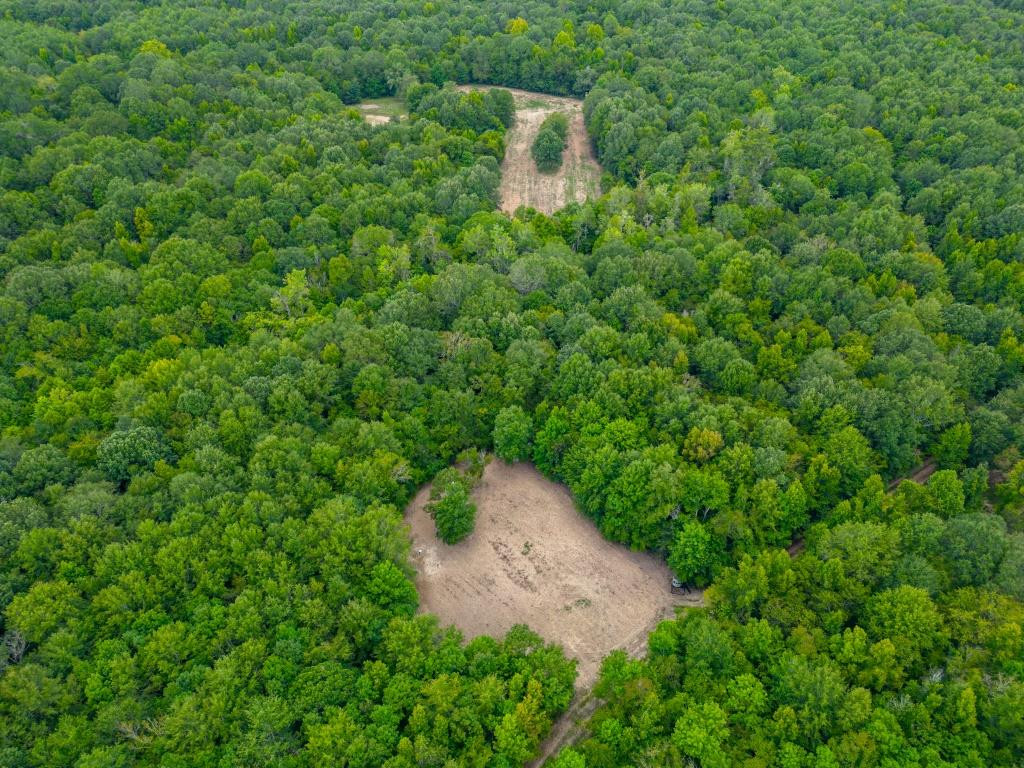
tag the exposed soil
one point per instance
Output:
(534, 559)
(521, 182)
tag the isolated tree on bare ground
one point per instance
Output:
(549, 144)
(451, 504)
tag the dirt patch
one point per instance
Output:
(534, 559)
(380, 111)
(521, 183)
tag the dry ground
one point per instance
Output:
(534, 559)
(521, 182)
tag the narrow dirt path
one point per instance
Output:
(919, 475)
(571, 726)
(568, 729)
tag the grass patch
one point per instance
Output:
(386, 106)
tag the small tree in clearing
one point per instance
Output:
(450, 503)
(549, 144)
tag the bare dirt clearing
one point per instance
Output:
(534, 559)
(521, 182)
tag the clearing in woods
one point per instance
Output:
(379, 111)
(521, 182)
(534, 559)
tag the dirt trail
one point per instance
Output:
(919, 475)
(569, 728)
(521, 182)
(534, 559)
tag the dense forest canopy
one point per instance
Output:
(240, 325)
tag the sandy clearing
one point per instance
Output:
(380, 112)
(521, 183)
(535, 559)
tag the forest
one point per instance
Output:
(240, 326)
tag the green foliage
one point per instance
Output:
(513, 431)
(123, 454)
(695, 554)
(953, 446)
(974, 546)
(699, 733)
(451, 504)
(550, 142)
(239, 325)
(907, 618)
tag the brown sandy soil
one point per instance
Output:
(521, 182)
(534, 559)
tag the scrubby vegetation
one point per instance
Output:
(240, 326)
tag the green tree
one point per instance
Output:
(40, 467)
(696, 554)
(946, 493)
(124, 453)
(451, 506)
(908, 618)
(513, 431)
(973, 547)
(550, 142)
(699, 733)
(953, 446)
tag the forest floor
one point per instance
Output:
(521, 182)
(534, 559)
